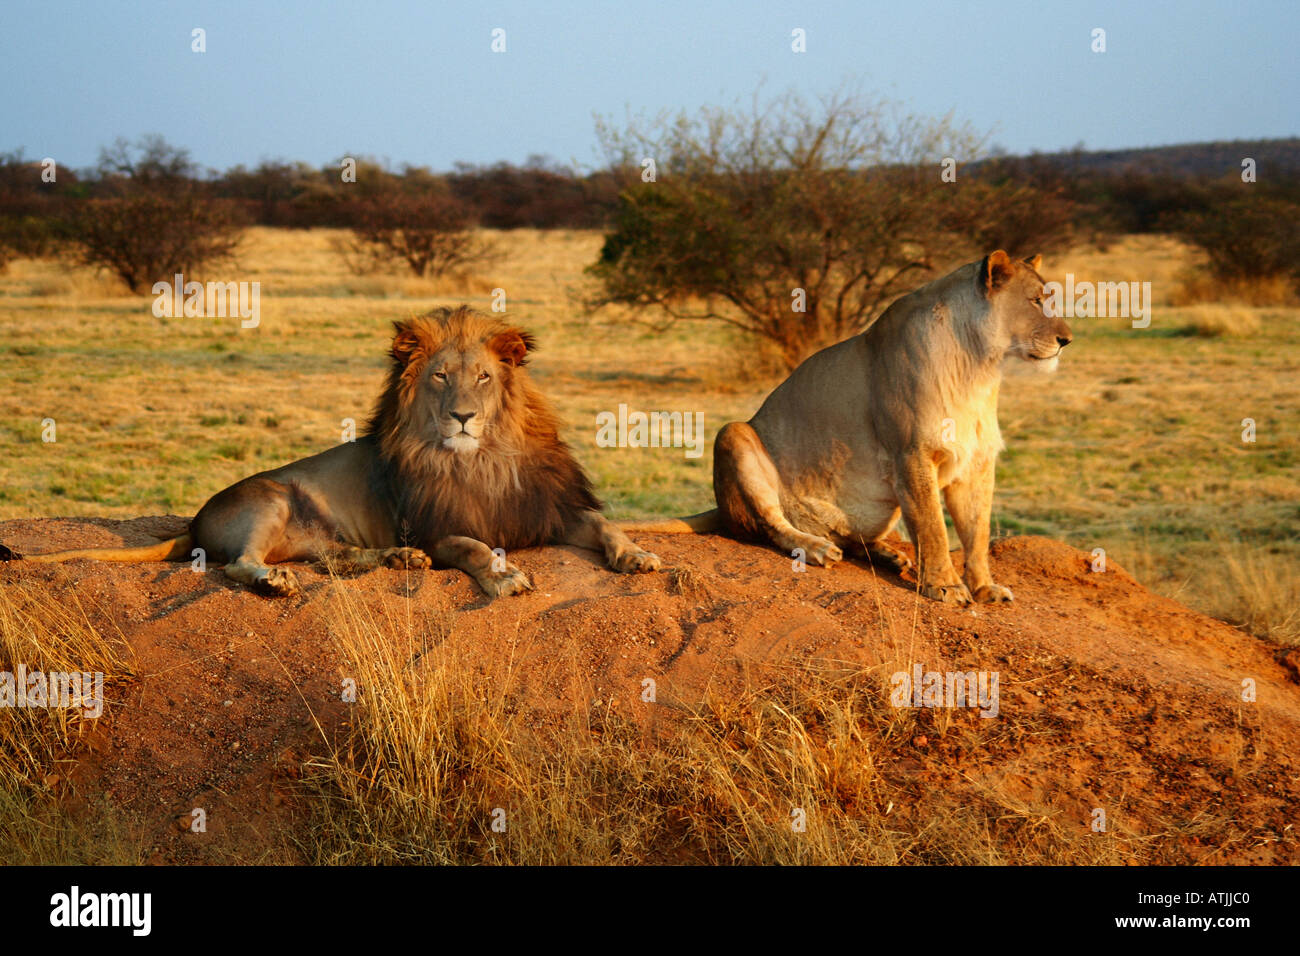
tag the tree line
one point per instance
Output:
(794, 221)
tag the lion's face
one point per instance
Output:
(1016, 295)
(456, 384)
(463, 392)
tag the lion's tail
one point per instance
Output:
(168, 550)
(702, 523)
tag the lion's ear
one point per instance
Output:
(1034, 262)
(512, 346)
(995, 271)
(406, 341)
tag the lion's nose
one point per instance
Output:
(462, 417)
(1064, 340)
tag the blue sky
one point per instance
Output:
(417, 82)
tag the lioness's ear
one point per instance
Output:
(1034, 262)
(512, 346)
(995, 271)
(406, 341)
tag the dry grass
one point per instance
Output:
(50, 632)
(1214, 321)
(46, 633)
(439, 767)
(1258, 591)
(1196, 286)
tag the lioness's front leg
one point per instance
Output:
(494, 575)
(970, 502)
(918, 496)
(595, 532)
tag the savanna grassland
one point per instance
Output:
(1135, 446)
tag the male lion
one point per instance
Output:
(888, 421)
(461, 456)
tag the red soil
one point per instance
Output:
(1110, 696)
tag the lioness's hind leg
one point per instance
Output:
(596, 532)
(748, 490)
(884, 552)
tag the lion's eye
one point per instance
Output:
(1037, 300)
(483, 377)
(440, 376)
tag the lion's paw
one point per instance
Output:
(635, 562)
(399, 558)
(497, 584)
(957, 594)
(993, 594)
(278, 582)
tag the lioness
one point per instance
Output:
(462, 455)
(887, 422)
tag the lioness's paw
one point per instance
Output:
(635, 562)
(400, 558)
(993, 594)
(823, 552)
(903, 564)
(279, 582)
(957, 594)
(891, 558)
(497, 584)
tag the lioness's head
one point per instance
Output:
(455, 377)
(1015, 293)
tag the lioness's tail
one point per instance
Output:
(168, 550)
(702, 523)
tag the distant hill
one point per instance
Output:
(1272, 157)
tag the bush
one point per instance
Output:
(29, 237)
(1022, 205)
(754, 216)
(540, 195)
(430, 233)
(148, 237)
(30, 208)
(268, 194)
(1245, 234)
